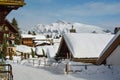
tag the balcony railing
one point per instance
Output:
(12, 2)
(6, 72)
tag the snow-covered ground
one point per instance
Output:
(25, 70)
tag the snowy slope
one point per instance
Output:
(64, 27)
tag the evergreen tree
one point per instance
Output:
(18, 38)
(43, 53)
(14, 23)
(32, 53)
(47, 36)
(34, 33)
(29, 32)
(4, 47)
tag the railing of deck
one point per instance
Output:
(6, 71)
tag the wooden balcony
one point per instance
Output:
(12, 2)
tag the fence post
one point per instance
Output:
(67, 68)
(33, 62)
(85, 67)
(39, 62)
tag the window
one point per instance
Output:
(10, 50)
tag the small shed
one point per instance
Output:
(111, 53)
(83, 47)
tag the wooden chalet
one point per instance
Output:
(35, 40)
(7, 31)
(82, 47)
(111, 54)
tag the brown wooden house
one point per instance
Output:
(35, 40)
(27, 39)
(7, 33)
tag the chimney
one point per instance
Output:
(116, 29)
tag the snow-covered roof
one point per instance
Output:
(37, 37)
(115, 41)
(33, 36)
(24, 48)
(85, 45)
(27, 36)
(40, 42)
(50, 51)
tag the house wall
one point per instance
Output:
(10, 50)
(27, 41)
(114, 58)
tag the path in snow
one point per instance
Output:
(24, 72)
(21, 72)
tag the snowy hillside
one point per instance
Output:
(60, 27)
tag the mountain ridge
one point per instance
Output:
(59, 27)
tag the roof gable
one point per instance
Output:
(11, 27)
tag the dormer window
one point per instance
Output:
(5, 28)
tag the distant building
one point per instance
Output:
(35, 40)
(83, 47)
(72, 30)
(111, 53)
(27, 39)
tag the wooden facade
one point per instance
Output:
(63, 50)
(28, 41)
(7, 33)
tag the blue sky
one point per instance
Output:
(103, 13)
